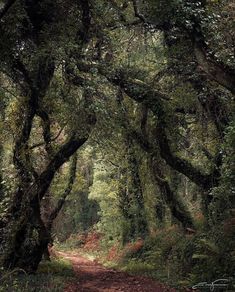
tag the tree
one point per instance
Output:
(166, 98)
(31, 66)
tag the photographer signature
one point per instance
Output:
(217, 284)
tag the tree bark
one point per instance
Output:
(152, 99)
(48, 221)
(2, 118)
(177, 207)
(27, 224)
(214, 69)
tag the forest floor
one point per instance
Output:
(93, 277)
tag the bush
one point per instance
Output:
(160, 256)
(196, 258)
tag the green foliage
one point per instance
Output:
(51, 276)
(105, 191)
(224, 195)
(71, 243)
(213, 258)
(79, 213)
(58, 267)
(160, 256)
(105, 55)
(196, 258)
(138, 267)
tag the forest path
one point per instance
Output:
(93, 277)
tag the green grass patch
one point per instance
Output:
(51, 276)
(59, 267)
(139, 268)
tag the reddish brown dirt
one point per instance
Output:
(93, 277)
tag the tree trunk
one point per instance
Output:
(26, 240)
(178, 209)
(1, 175)
(55, 212)
(140, 221)
(24, 235)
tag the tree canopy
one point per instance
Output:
(117, 115)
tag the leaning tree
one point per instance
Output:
(35, 51)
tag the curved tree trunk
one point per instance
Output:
(55, 212)
(26, 242)
(24, 236)
(178, 209)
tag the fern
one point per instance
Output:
(209, 247)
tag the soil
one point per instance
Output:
(93, 277)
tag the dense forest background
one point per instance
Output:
(117, 118)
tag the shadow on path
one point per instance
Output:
(93, 277)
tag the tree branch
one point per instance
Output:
(206, 181)
(46, 125)
(214, 69)
(151, 98)
(63, 154)
(21, 156)
(137, 13)
(178, 209)
(67, 150)
(43, 142)
(72, 175)
(86, 20)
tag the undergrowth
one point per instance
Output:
(51, 276)
(171, 256)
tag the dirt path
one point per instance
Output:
(93, 277)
